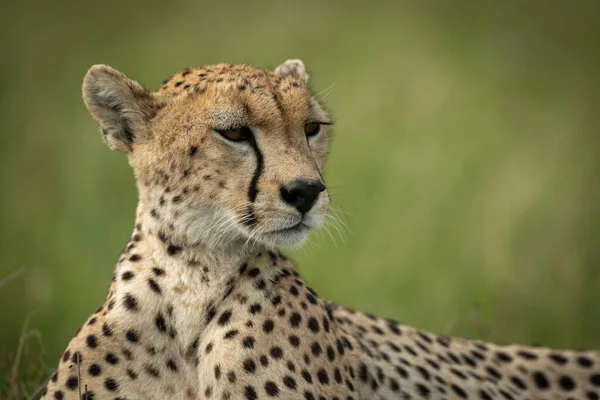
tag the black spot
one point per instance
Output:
(294, 340)
(566, 383)
(268, 326)
(584, 362)
(210, 313)
(135, 257)
(171, 365)
(595, 380)
(250, 393)
(527, 355)
(504, 357)
(316, 349)
(494, 372)
(306, 375)
(289, 382)
(394, 386)
(132, 374)
(154, 286)
(130, 302)
(459, 391)
(271, 388)
(255, 308)
(540, 380)
(330, 353)
(132, 336)
(558, 358)
(484, 395)
(58, 395)
(323, 377)
(111, 384)
(158, 271)
(160, 323)
(106, 330)
(173, 250)
(401, 371)
(313, 324)
(276, 352)
(424, 373)
(290, 365)
(231, 333)
(422, 390)
(91, 341)
(231, 377)
(72, 383)
(77, 357)
(249, 365)
(127, 353)
(66, 355)
(111, 358)
(295, 319)
(88, 395)
(152, 371)
(243, 268)
(261, 284)
(518, 382)
(224, 318)
(248, 342)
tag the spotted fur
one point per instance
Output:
(203, 305)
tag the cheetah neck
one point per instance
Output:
(191, 279)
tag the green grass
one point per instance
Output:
(465, 157)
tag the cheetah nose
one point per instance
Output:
(301, 193)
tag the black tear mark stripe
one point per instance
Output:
(253, 190)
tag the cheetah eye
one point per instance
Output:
(235, 134)
(312, 128)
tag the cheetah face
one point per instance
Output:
(222, 154)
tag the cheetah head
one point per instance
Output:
(221, 154)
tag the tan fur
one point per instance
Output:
(202, 304)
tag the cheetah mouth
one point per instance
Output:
(296, 228)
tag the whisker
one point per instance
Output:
(328, 90)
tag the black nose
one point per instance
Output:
(301, 193)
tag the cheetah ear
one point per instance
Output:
(120, 105)
(293, 68)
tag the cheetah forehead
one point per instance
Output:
(227, 75)
(287, 87)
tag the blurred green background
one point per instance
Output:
(465, 157)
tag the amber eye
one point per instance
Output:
(236, 135)
(312, 128)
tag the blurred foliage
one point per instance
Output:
(465, 157)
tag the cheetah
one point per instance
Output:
(228, 162)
